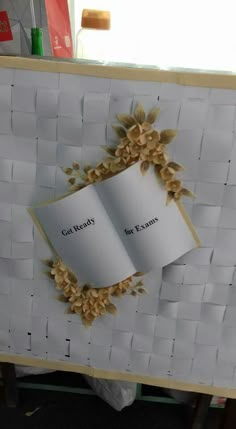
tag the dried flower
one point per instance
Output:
(161, 158)
(174, 185)
(86, 301)
(139, 141)
(146, 126)
(134, 133)
(150, 136)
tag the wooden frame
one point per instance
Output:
(195, 78)
(199, 79)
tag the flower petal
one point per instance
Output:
(71, 181)
(146, 126)
(153, 115)
(111, 308)
(187, 193)
(62, 298)
(167, 136)
(126, 120)
(157, 169)
(167, 173)
(138, 274)
(144, 167)
(139, 113)
(120, 132)
(170, 197)
(161, 158)
(175, 166)
(174, 185)
(110, 150)
(68, 170)
(134, 133)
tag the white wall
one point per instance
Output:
(170, 33)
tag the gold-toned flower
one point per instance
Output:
(173, 185)
(139, 141)
(146, 126)
(123, 142)
(167, 173)
(134, 133)
(149, 137)
(86, 301)
(161, 158)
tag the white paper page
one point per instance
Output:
(84, 237)
(133, 201)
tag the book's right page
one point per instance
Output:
(154, 233)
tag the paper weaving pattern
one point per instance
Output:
(184, 329)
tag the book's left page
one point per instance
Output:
(84, 237)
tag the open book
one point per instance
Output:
(108, 231)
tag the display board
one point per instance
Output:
(182, 333)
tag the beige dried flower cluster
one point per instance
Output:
(139, 141)
(85, 300)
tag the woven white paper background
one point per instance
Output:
(185, 328)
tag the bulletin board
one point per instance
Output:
(182, 333)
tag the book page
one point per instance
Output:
(153, 233)
(83, 235)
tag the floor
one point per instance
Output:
(40, 409)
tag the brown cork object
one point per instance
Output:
(97, 19)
